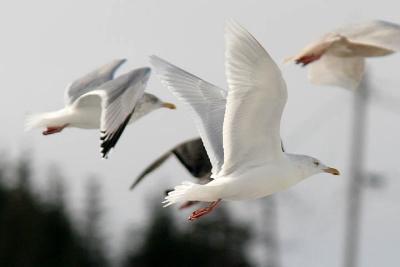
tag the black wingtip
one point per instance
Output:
(133, 185)
(108, 141)
(120, 61)
(166, 192)
(150, 168)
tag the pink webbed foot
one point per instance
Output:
(203, 211)
(307, 59)
(53, 130)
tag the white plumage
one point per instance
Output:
(254, 164)
(206, 101)
(98, 101)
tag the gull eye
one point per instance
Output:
(316, 163)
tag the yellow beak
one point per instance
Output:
(169, 105)
(332, 171)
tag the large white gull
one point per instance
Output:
(338, 57)
(240, 128)
(97, 100)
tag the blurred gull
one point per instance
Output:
(242, 143)
(192, 155)
(97, 100)
(338, 57)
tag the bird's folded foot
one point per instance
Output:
(307, 59)
(53, 130)
(203, 211)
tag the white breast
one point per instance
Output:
(257, 181)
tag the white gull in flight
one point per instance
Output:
(98, 101)
(240, 128)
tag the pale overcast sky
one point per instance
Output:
(47, 44)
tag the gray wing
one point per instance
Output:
(191, 154)
(206, 100)
(92, 80)
(118, 101)
(149, 169)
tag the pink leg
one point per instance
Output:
(53, 130)
(307, 59)
(203, 211)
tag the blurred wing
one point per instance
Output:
(153, 166)
(119, 97)
(205, 100)
(257, 96)
(191, 154)
(345, 72)
(374, 33)
(92, 80)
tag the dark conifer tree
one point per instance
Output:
(212, 241)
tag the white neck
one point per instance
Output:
(301, 165)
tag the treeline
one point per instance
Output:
(37, 230)
(213, 241)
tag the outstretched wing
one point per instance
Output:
(91, 80)
(256, 99)
(191, 154)
(207, 102)
(376, 33)
(149, 169)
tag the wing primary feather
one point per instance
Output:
(119, 99)
(206, 102)
(92, 80)
(109, 141)
(157, 163)
(256, 99)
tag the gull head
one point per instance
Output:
(152, 102)
(310, 166)
(316, 166)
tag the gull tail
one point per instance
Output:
(189, 191)
(36, 121)
(46, 119)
